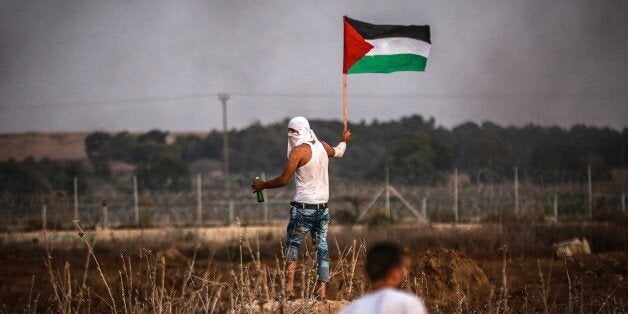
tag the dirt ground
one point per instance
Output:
(457, 281)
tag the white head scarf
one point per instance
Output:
(305, 133)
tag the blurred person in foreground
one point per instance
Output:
(385, 266)
(308, 158)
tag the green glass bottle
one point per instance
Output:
(260, 194)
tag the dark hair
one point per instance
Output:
(381, 258)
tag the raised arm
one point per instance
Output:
(339, 150)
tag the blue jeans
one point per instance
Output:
(316, 222)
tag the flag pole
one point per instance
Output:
(344, 76)
(344, 100)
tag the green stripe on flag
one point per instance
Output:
(389, 63)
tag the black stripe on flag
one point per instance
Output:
(372, 31)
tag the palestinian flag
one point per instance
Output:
(370, 48)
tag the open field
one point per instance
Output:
(240, 269)
(51, 145)
(54, 146)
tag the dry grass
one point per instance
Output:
(54, 146)
(248, 275)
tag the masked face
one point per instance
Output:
(299, 132)
(293, 139)
(293, 132)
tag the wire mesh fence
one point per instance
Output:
(475, 196)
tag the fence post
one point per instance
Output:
(556, 207)
(387, 194)
(456, 195)
(105, 216)
(199, 207)
(590, 192)
(516, 194)
(266, 201)
(135, 202)
(231, 212)
(76, 215)
(424, 207)
(44, 219)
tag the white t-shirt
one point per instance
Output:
(386, 301)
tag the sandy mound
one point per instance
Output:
(172, 254)
(445, 277)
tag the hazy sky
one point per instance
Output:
(141, 65)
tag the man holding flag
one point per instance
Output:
(308, 158)
(368, 48)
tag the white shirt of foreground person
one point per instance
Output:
(386, 301)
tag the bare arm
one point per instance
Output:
(296, 158)
(331, 151)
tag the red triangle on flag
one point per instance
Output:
(355, 47)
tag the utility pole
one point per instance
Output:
(225, 148)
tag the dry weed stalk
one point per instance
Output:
(505, 280)
(102, 276)
(570, 302)
(151, 294)
(355, 254)
(608, 296)
(31, 306)
(53, 280)
(346, 265)
(490, 299)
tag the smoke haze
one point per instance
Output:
(140, 65)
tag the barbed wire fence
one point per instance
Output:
(479, 196)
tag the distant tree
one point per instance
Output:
(123, 146)
(423, 151)
(153, 136)
(257, 149)
(22, 178)
(190, 147)
(165, 171)
(419, 160)
(211, 146)
(98, 149)
(59, 174)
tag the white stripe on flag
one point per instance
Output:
(398, 45)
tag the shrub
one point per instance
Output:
(345, 217)
(378, 220)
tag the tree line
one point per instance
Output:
(414, 149)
